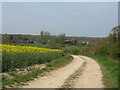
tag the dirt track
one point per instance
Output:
(91, 77)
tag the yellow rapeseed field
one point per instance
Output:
(23, 56)
(18, 49)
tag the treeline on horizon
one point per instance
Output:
(108, 47)
(45, 38)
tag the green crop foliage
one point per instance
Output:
(19, 56)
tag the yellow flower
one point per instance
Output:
(27, 49)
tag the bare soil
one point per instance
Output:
(23, 71)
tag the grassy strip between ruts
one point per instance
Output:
(110, 70)
(69, 82)
(21, 80)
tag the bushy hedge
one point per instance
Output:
(111, 51)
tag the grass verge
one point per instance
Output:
(110, 71)
(21, 80)
(60, 62)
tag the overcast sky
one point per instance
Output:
(74, 19)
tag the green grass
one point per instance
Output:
(24, 78)
(19, 80)
(66, 47)
(60, 62)
(110, 71)
(0, 81)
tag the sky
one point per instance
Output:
(60, 0)
(92, 19)
(0, 17)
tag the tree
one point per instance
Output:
(116, 34)
(52, 43)
(114, 42)
(43, 37)
(11, 37)
(41, 33)
(61, 39)
(5, 38)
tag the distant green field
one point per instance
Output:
(72, 47)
